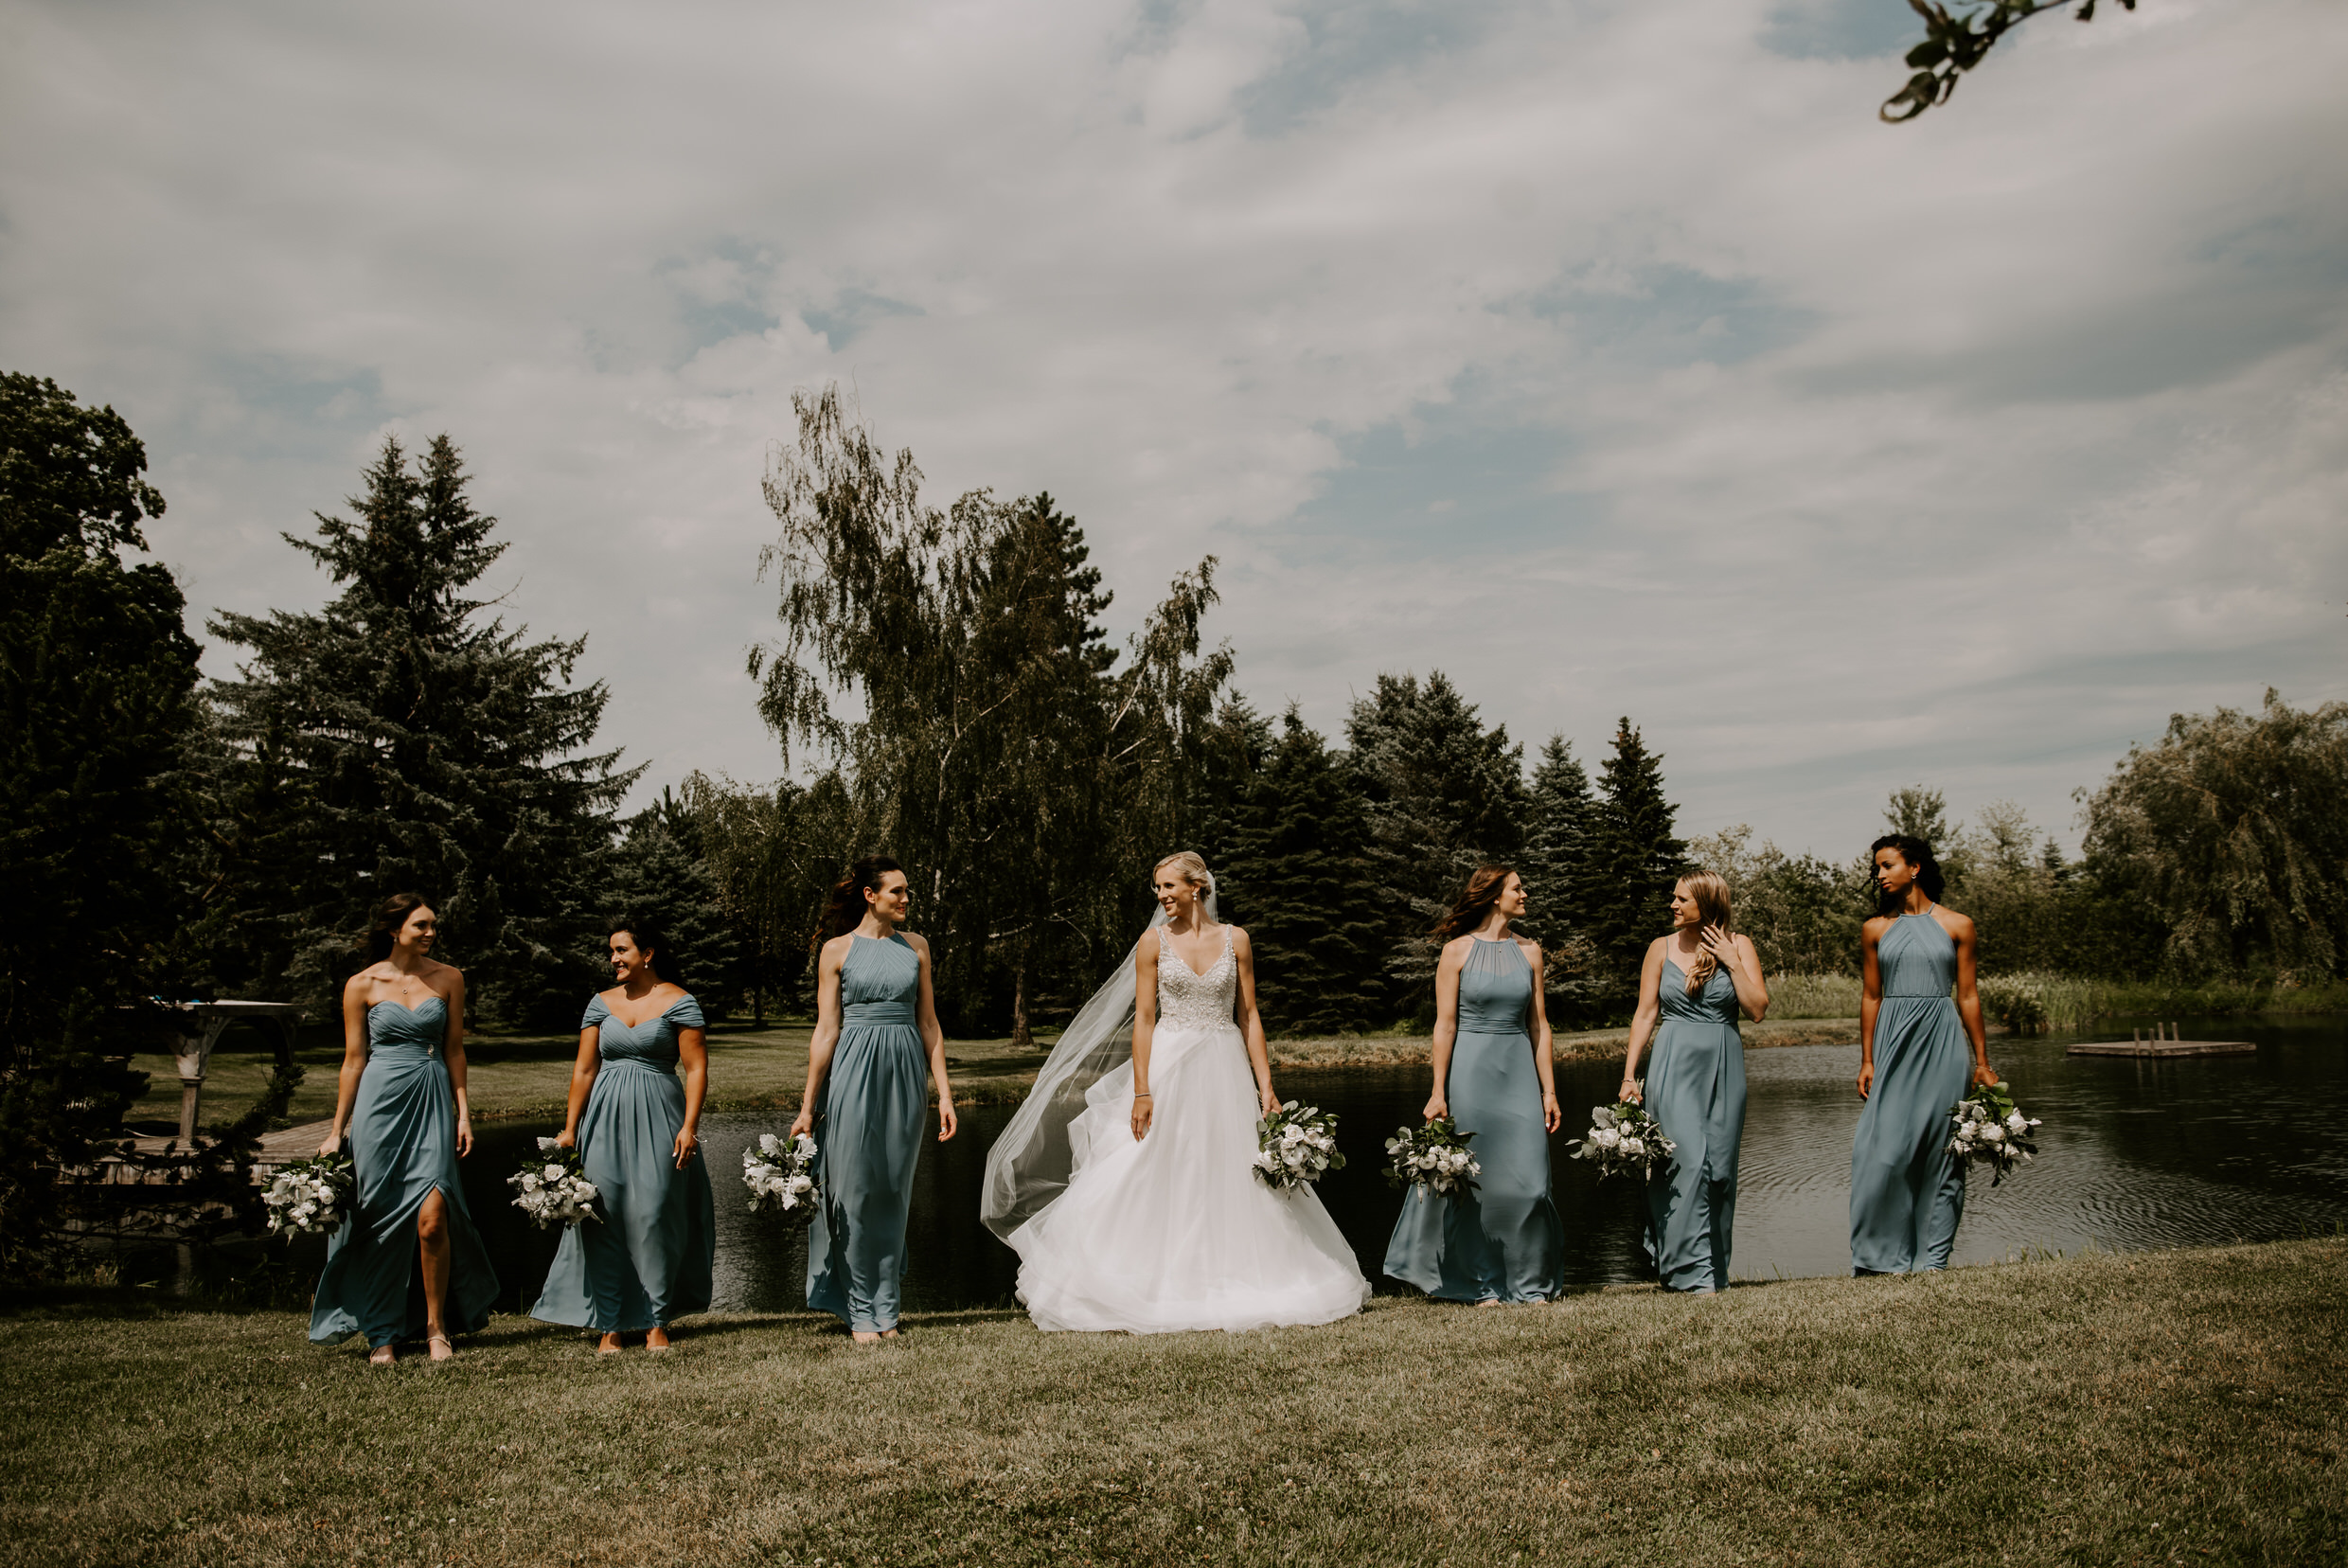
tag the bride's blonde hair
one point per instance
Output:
(1193, 868)
(1711, 892)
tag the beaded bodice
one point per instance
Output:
(1187, 1000)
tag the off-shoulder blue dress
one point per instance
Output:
(868, 1138)
(1696, 1093)
(649, 1261)
(1504, 1241)
(403, 1139)
(1907, 1190)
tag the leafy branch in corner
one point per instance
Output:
(1955, 42)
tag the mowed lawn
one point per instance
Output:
(2167, 1407)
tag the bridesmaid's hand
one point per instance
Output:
(1985, 1075)
(1552, 1117)
(688, 1144)
(803, 1122)
(567, 1138)
(1715, 941)
(333, 1142)
(948, 1124)
(1436, 1108)
(1866, 1077)
(1631, 1093)
(1142, 1112)
(464, 1135)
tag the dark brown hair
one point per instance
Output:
(379, 939)
(845, 910)
(650, 939)
(1474, 903)
(1918, 854)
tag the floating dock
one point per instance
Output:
(2163, 1042)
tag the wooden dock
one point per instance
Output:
(2163, 1043)
(283, 1146)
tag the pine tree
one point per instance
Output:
(1299, 873)
(400, 739)
(1634, 858)
(98, 676)
(659, 875)
(1555, 863)
(1444, 792)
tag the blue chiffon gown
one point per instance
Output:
(403, 1139)
(649, 1261)
(1907, 1190)
(868, 1138)
(1504, 1241)
(1696, 1090)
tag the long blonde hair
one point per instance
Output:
(1711, 892)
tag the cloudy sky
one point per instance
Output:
(1608, 356)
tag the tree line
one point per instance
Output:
(943, 688)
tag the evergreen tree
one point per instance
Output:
(659, 875)
(1555, 863)
(400, 739)
(1299, 871)
(1444, 792)
(97, 677)
(1635, 859)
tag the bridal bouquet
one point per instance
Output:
(1991, 1130)
(1624, 1140)
(779, 1174)
(1294, 1145)
(551, 1187)
(311, 1197)
(1435, 1156)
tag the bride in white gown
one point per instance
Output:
(1127, 1187)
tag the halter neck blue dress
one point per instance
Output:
(649, 1261)
(403, 1139)
(1696, 1090)
(1504, 1241)
(1907, 1190)
(868, 1138)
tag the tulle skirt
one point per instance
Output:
(1175, 1232)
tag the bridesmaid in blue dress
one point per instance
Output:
(1494, 1077)
(876, 1043)
(408, 1261)
(649, 1261)
(1696, 980)
(1914, 1048)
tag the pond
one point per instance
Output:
(2134, 1153)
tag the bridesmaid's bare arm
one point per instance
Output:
(1870, 999)
(1643, 1021)
(935, 1037)
(1963, 932)
(1447, 1023)
(354, 1059)
(1544, 1044)
(453, 1055)
(826, 1036)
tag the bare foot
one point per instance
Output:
(608, 1346)
(1492, 1301)
(866, 1337)
(383, 1355)
(656, 1340)
(440, 1347)
(888, 1333)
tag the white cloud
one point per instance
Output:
(1607, 357)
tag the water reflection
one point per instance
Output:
(2134, 1153)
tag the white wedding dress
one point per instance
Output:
(1175, 1232)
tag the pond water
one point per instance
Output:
(2134, 1153)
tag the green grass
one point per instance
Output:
(2179, 1406)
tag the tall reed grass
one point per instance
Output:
(2041, 999)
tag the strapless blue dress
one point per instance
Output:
(650, 1261)
(403, 1139)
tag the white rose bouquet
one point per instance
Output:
(1624, 1140)
(552, 1186)
(1435, 1156)
(1988, 1129)
(779, 1173)
(1294, 1145)
(311, 1197)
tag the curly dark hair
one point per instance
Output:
(1918, 853)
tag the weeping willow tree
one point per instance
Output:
(950, 666)
(2234, 830)
(1957, 37)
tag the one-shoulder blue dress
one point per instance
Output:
(1504, 1241)
(649, 1261)
(1907, 1190)
(403, 1139)
(1695, 1092)
(868, 1138)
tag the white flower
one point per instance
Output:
(1607, 1138)
(1634, 1147)
(547, 1146)
(1993, 1133)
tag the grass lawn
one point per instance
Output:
(2181, 1406)
(754, 1069)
